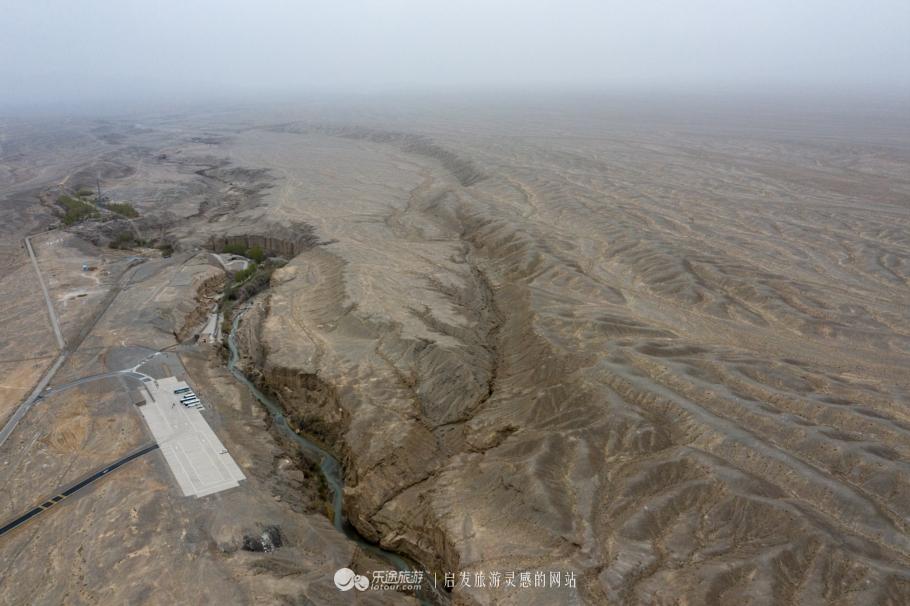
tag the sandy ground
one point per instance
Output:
(664, 349)
(133, 537)
(27, 346)
(673, 361)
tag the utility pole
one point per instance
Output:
(98, 183)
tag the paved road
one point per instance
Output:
(32, 398)
(47, 298)
(128, 374)
(25, 406)
(41, 390)
(74, 488)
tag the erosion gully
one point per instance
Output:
(329, 467)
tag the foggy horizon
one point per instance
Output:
(478, 302)
(62, 56)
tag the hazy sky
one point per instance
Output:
(65, 49)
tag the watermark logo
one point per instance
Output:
(412, 581)
(346, 579)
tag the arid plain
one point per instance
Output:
(662, 347)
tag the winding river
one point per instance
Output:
(328, 464)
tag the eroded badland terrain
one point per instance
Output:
(663, 350)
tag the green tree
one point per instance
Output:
(124, 209)
(234, 249)
(256, 254)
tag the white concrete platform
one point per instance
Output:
(200, 462)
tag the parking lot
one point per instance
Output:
(199, 461)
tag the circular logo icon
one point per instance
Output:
(361, 582)
(346, 579)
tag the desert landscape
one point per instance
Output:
(660, 351)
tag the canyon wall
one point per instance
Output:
(678, 377)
